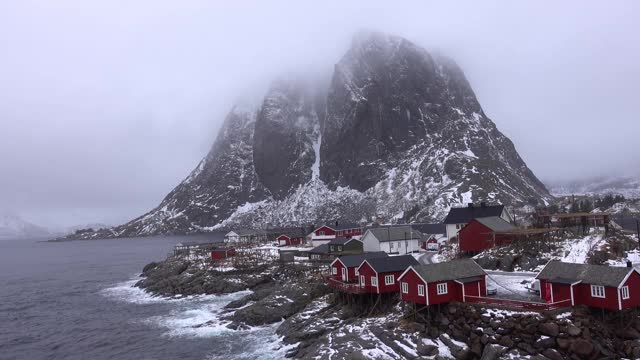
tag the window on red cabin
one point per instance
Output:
(597, 291)
(374, 281)
(420, 290)
(442, 289)
(361, 280)
(334, 270)
(625, 292)
(405, 287)
(320, 233)
(389, 280)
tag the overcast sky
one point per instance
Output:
(106, 105)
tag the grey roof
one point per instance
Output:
(320, 249)
(450, 270)
(562, 272)
(395, 233)
(463, 215)
(249, 232)
(495, 223)
(356, 260)
(392, 263)
(430, 228)
(470, 279)
(341, 241)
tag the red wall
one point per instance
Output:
(222, 254)
(454, 293)
(283, 237)
(327, 230)
(383, 288)
(368, 272)
(351, 272)
(471, 289)
(582, 296)
(634, 291)
(474, 237)
(413, 280)
(349, 232)
(337, 265)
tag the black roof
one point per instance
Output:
(320, 249)
(392, 263)
(567, 273)
(450, 270)
(341, 240)
(428, 229)
(356, 260)
(463, 215)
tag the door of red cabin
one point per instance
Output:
(344, 274)
(547, 292)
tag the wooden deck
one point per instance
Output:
(517, 304)
(351, 288)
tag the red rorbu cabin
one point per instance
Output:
(480, 234)
(600, 286)
(219, 254)
(286, 240)
(443, 282)
(344, 267)
(380, 275)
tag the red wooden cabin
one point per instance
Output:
(344, 267)
(349, 232)
(286, 240)
(222, 253)
(380, 275)
(324, 231)
(600, 286)
(442, 282)
(479, 234)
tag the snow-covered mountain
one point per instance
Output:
(399, 132)
(13, 226)
(629, 187)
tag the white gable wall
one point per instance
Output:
(370, 242)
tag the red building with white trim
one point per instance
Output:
(286, 240)
(443, 282)
(344, 268)
(380, 275)
(600, 286)
(480, 234)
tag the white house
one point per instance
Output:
(460, 216)
(231, 237)
(392, 239)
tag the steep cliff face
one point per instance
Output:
(287, 137)
(223, 181)
(407, 126)
(399, 133)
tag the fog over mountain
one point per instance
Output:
(106, 106)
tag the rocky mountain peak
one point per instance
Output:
(399, 132)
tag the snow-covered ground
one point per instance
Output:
(511, 285)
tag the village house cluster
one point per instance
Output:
(378, 260)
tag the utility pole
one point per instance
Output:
(638, 230)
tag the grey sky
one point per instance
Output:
(106, 105)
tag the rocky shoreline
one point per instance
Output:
(316, 323)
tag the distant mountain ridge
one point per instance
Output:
(12, 226)
(628, 186)
(399, 132)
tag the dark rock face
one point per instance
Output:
(287, 128)
(396, 113)
(399, 132)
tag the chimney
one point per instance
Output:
(483, 204)
(629, 264)
(470, 205)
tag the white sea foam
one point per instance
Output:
(199, 316)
